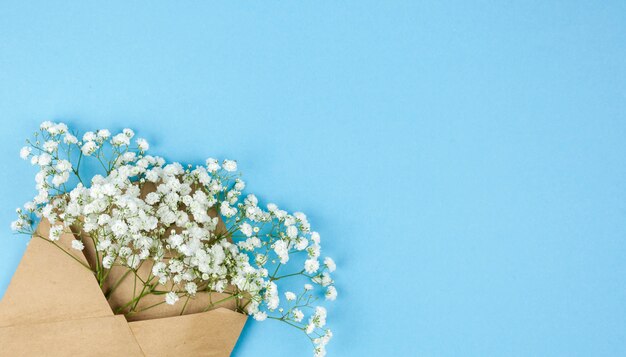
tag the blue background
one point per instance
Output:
(463, 161)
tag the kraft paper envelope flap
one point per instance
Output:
(94, 336)
(54, 307)
(48, 285)
(213, 333)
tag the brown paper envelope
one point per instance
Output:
(49, 286)
(212, 333)
(54, 307)
(94, 336)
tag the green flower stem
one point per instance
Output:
(184, 306)
(219, 301)
(141, 294)
(288, 275)
(117, 283)
(275, 271)
(285, 321)
(133, 301)
(144, 309)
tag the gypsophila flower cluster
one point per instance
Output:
(144, 210)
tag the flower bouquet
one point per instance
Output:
(150, 257)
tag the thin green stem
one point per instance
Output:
(219, 301)
(117, 283)
(184, 306)
(288, 275)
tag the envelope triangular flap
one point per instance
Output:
(212, 333)
(95, 336)
(48, 285)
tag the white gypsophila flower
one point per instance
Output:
(302, 243)
(53, 130)
(171, 298)
(44, 159)
(330, 264)
(319, 317)
(103, 245)
(63, 165)
(311, 265)
(281, 249)
(298, 315)
(51, 146)
(310, 327)
(271, 296)
(58, 180)
(280, 214)
(313, 250)
(292, 232)
(46, 125)
(40, 178)
(89, 136)
(78, 245)
(89, 148)
(260, 259)
(30, 206)
(239, 185)
(319, 351)
(251, 200)
(290, 296)
(128, 132)
(119, 228)
(246, 229)
(70, 139)
(142, 144)
(108, 261)
(260, 316)
(227, 210)
(152, 198)
(120, 139)
(133, 261)
(17, 225)
(212, 165)
(323, 279)
(253, 307)
(229, 165)
(323, 340)
(191, 288)
(331, 293)
(55, 233)
(103, 134)
(42, 197)
(25, 152)
(59, 128)
(308, 287)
